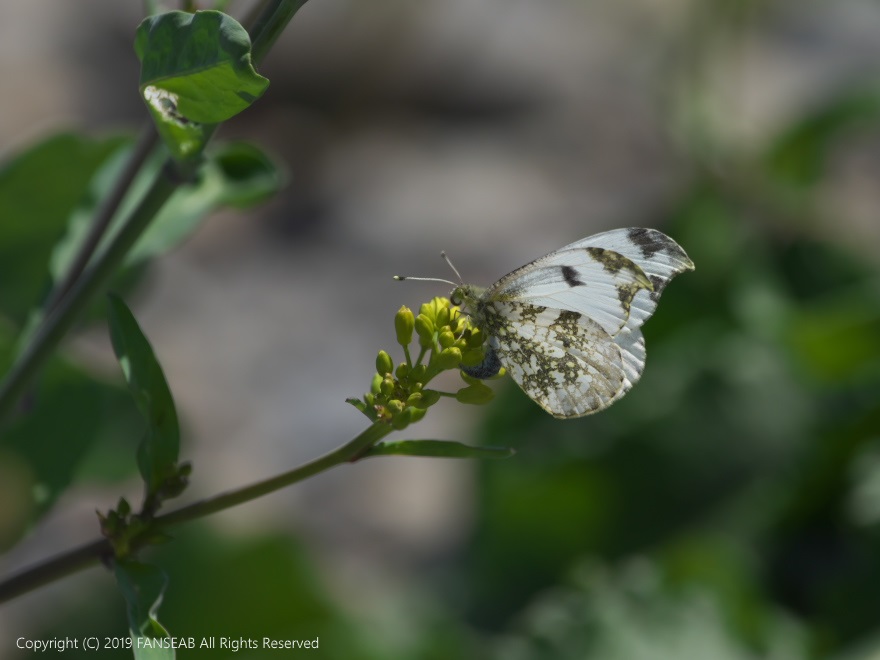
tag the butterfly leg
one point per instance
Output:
(490, 366)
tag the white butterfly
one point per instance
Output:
(566, 326)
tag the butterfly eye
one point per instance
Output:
(454, 298)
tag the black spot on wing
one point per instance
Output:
(570, 275)
(651, 241)
(659, 284)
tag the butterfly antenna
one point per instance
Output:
(454, 269)
(401, 278)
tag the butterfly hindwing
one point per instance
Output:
(562, 360)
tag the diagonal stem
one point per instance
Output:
(78, 288)
(85, 556)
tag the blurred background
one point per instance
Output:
(728, 507)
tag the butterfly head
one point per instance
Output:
(466, 295)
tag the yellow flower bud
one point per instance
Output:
(475, 338)
(449, 358)
(442, 317)
(384, 363)
(429, 398)
(376, 384)
(446, 339)
(407, 417)
(425, 329)
(472, 357)
(387, 386)
(417, 375)
(404, 322)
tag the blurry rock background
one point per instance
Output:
(497, 130)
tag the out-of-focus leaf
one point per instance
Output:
(628, 615)
(250, 176)
(42, 446)
(438, 449)
(238, 175)
(142, 587)
(234, 174)
(158, 452)
(39, 188)
(839, 340)
(195, 71)
(800, 155)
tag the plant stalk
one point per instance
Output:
(80, 558)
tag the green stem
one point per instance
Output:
(79, 290)
(80, 558)
(345, 454)
(61, 317)
(54, 569)
(269, 25)
(104, 215)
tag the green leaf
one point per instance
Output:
(39, 188)
(836, 341)
(238, 175)
(158, 452)
(196, 71)
(66, 415)
(142, 587)
(801, 154)
(438, 449)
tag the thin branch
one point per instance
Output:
(59, 320)
(55, 568)
(100, 550)
(104, 215)
(269, 25)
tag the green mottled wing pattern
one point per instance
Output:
(563, 360)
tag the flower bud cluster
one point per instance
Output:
(444, 339)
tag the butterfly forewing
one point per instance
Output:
(659, 257)
(592, 281)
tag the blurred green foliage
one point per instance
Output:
(728, 508)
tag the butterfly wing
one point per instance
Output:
(590, 280)
(657, 255)
(567, 326)
(563, 360)
(661, 259)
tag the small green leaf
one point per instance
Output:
(196, 71)
(158, 451)
(438, 449)
(237, 175)
(142, 587)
